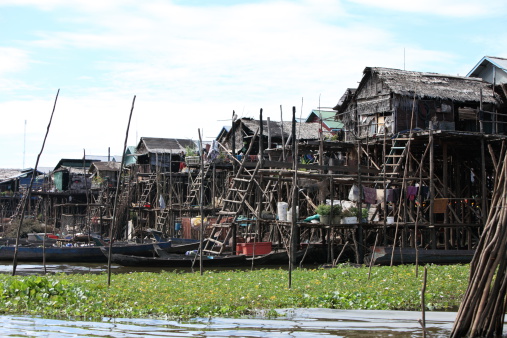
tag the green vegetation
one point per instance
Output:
(352, 211)
(230, 293)
(325, 209)
(191, 151)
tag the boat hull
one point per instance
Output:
(178, 261)
(77, 254)
(384, 255)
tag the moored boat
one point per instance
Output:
(77, 254)
(384, 256)
(178, 261)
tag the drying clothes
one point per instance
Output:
(391, 195)
(370, 195)
(439, 205)
(214, 152)
(380, 195)
(411, 193)
(425, 192)
(161, 201)
(354, 193)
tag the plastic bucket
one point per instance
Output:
(282, 210)
(390, 220)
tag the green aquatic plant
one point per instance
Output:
(230, 293)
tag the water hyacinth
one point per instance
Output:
(230, 293)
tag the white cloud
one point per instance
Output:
(191, 66)
(12, 59)
(451, 8)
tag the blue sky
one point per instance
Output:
(191, 63)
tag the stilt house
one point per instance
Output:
(161, 154)
(392, 101)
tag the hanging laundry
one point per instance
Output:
(380, 195)
(214, 152)
(425, 192)
(370, 195)
(161, 201)
(391, 195)
(440, 205)
(354, 193)
(412, 192)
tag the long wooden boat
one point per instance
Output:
(383, 255)
(77, 254)
(276, 258)
(182, 245)
(178, 261)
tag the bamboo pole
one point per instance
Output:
(201, 206)
(293, 240)
(18, 233)
(118, 180)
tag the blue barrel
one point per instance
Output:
(177, 226)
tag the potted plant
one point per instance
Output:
(349, 216)
(328, 214)
(191, 156)
(364, 214)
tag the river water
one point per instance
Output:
(292, 323)
(295, 323)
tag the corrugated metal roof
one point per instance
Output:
(497, 61)
(328, 117)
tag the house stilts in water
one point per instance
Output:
(413, 159)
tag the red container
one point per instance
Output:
(257, 248)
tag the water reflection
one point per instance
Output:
(294, 323)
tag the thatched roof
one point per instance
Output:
(304, 131)
(433, 85)
(156, 145)
(105, 166)
(9, 173)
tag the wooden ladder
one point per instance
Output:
(394, 160)
(195, 187)
(103, 194)
(234, 204)
(162, 218)
(147, 189)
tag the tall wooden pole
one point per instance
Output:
(201, 201)
(15, 259)
(445, 189)
(269, 137)
(359, 249)
(484, 192)
(283, 136)
(259, 189)
(233, 142)
(233, 145)
(293, 231)
(432, 187)
(118, 181)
